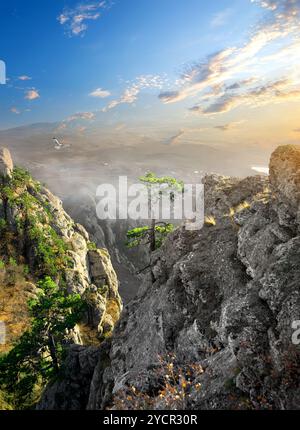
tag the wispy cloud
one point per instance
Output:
(32, 94)
(274, 92)
(100, 93)
(131, 93)
(216, 80)
(75, 20)
(87, 116)
(24, 78)
(229, 126)
(76, 119)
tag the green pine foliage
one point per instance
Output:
(38, 355)
(139, 235)
(155, 234)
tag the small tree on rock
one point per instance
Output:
(154, 234)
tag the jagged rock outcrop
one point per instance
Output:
(111, 234)
(224, 297)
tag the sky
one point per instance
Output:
(193, 71)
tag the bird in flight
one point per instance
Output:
(57, 143)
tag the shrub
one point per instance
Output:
(92, 246)
(175, 382)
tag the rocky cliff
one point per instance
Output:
(223, 301)
(38, 238)
(214, 329)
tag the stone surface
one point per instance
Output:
(285, 184)
(72, 392)
(6, 163)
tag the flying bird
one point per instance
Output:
(57, 143)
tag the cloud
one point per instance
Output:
(272, 92)
(241, 84)
(229, 126)
(296, 130)
(86, 116)
(15, 110)
(99, 92)
(226, 78)
(221, 18)
(79, 116)
(218, 68)
(75, 20)
(282, 8)
(131, 93)
(169, 96)
(24, 78)
(32, 94)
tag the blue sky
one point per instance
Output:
(191, 66)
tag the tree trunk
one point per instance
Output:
(52, 349)
(152, 236)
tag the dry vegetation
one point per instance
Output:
(16, 288)
(175, 384)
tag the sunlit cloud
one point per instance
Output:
(100, 93)
(87, 116)
(130, 95)
(229, 126)
(24, 78)
(226, 79)
(274, 92)
(32, 94)
(76, 119)
(75, 20)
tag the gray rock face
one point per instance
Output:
(224, 298)
(285, 184)
(111, 235)
(6, 163)
(73, 391)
